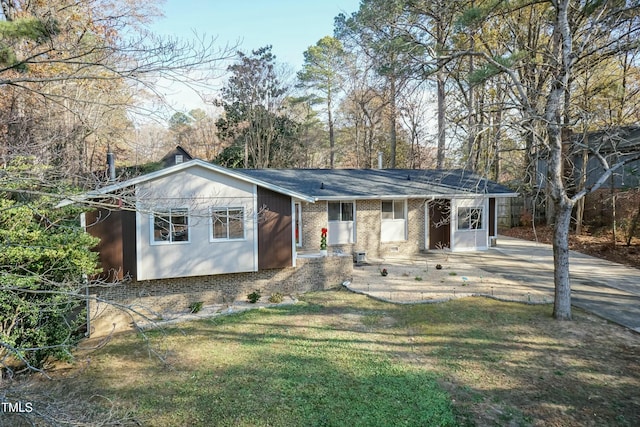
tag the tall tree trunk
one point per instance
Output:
(471, 162)
(562, 298)
(332, 139)
(392, 123)
(562, 204)
(614, 225)
(441, 124)
(441, 79)
(531, 160)
(562, 207)
(497, 139)
(583, 183)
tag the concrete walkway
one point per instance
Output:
(515, 270)
(605, 288)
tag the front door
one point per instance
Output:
(439, 214)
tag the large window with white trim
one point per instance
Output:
(227, 223)
(393, 226)
(470, 218)
(170, 225)
(341, 223)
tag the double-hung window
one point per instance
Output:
(227, 223)
(341, 223)
(470, 218)
(393, 209)
(393, 226)
(340, 211)
(170, 225)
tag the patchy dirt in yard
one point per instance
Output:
(597, 243)
(570, 374)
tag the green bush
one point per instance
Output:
(254, 296)
(195, 307)
(44, 254)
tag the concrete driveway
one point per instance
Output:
(515, 270)
(605, 288)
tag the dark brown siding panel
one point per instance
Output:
(129, 243)
(492, 217)
(107, 226)
(274, 230)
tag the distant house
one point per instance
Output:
(613, 145)
(199, 219)
(585, 168)
(175, 157)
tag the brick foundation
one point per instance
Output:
(171, 295)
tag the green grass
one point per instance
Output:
(276, 367)
(339, 359)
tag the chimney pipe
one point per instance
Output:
(111, 165)
(379, 159)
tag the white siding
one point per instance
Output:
(197, 189)
(470, 240)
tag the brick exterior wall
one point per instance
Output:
(314, 217)
(368, 223)
(158, 296)
(416, 234)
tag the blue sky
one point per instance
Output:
(290, 26)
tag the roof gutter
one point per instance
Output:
(415, 196)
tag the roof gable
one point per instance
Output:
(170, 158)
(178, 168)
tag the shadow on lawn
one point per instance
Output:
(338, 357)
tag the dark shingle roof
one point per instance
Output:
(378, 183)
(624, 139)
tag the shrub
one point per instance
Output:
(254, 296)
(45, 257)
(276, 298)
(526, 219)
(195, 307)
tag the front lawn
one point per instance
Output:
(276, 367)
(342, 359)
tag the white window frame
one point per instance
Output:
(179, 158)
(168, 212)
(243, 221)
(479, 224)
(342, 202)
(393, 210)
(337, 227)
(297, 206)
(393, 229)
